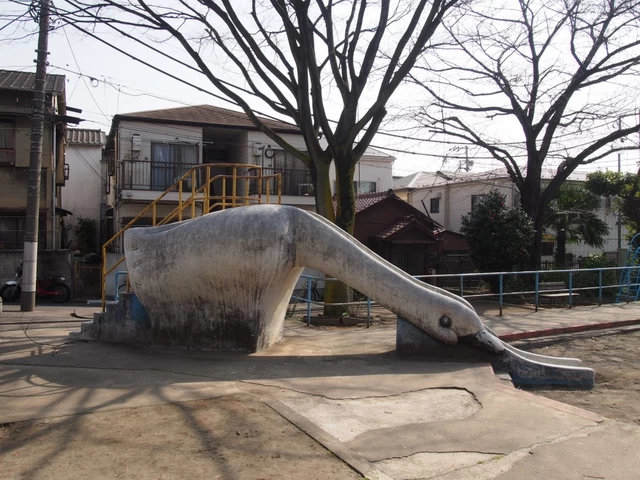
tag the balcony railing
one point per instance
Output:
(155, 176)
(294, 182)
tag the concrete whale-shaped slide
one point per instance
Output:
(224, 280)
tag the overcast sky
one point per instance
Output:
(121, 85)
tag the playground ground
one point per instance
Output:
(108, 411)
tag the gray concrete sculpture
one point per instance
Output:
(224, 280)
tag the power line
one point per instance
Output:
(82, 76)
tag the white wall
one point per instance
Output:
(455, 199)
(255, 137)
(610, 247)
(84, 190)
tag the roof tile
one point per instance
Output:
(206, 115)
(84, 136)
(25, 81)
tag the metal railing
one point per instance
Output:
(197, 199)
(155, 176)
(537, 278)
(294, 182)
(310, 291)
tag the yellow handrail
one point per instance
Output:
(201, 194)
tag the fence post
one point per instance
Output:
(570, 289)
(537, 289)
(501, 294)
(76, 276)
(599, 288)
(461, 286)
(308, 302)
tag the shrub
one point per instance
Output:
(499, 237)
(590, 279)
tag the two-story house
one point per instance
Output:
(147, 151)
(16, 90)
(447, 196)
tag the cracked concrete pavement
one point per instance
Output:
(388, 417)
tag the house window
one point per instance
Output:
(294, 174)
(170, 161)
(12, 232)
(435, 205)
(284, 160)
(516, 199)
(7, 143)
(476, 199)
(546, 248)
(364, 187)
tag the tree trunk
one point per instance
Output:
(343, 217)
(530, 198)
(322, 184)
(561, 248)
(345, 195)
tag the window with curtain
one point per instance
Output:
(477, 199)
(284, 160)
(7, 143)
(296, 178)
(170, 161)
(364, 187)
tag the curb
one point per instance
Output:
(509, 337)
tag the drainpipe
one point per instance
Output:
(54, 161)
(447, 195)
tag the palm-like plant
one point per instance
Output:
(572, 217)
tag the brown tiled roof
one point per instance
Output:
(365, 200)
(10, 80)
(405, 222)
(205, 115)
(386, 233)
(85, 137)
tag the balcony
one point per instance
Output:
(147, 175)
(157, 177)
(294, 182)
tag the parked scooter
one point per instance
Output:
(55, 288)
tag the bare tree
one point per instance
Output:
(541, 86)
(301, 59)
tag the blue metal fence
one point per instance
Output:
(571, 290)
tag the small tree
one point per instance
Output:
(625, 186)
(86, 230)
(573, 219)
(499, 237)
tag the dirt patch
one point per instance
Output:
(616, 361)
(232, 437)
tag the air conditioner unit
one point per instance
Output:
(257, 149)
(136, 142)
(306, 189)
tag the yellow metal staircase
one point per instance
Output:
(255, 189)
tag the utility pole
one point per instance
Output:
(28, 298)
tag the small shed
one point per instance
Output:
(402, 234)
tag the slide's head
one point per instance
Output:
(465, 327)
